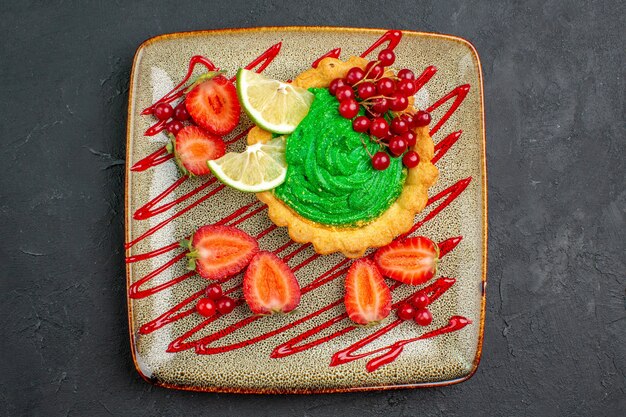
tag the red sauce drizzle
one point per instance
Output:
(425, 77)
(458, 94)
(152, 160)
(392, 37)
(444, 146)
(333, 53)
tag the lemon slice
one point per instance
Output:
(260, 167)
(273, 105)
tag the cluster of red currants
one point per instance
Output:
(165, 111)
(380, 95)
(415, 309)
(214, 301)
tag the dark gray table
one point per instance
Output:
(555, 340)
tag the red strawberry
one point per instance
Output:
(217, 252)
(368, 298)
(214, 105)
(412, 261)
(193, 147)
(269, 286)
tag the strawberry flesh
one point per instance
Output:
(194, 147)
(214, 105)
(269, 286)
(217, 252)
(411, 261)
(368, 298)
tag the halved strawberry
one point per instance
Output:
(216, 252)
(214, 105)
(368, 298)
(193, 147)
(412, 261)
(269, 286)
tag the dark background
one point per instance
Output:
(555, 337)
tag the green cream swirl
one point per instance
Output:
(330, 179)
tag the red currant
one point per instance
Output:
(406, 74)
(410, 137)
(163, 111)
(408, 118)
(411, 159)
(373, 70)
(397, 145)
(361, 124)
(225, 305)
(385, 86)
(348, 108)
(399, 125)
(174, 126)
(214, 291)
(335, 84)
(206, 307)
(420, 301)
(379, 127)
(423, 317)
(366, 90)
(406, 87)
(386, 57)
(180, 112)
(422, 118)
(354, 75)
(381, 105)
(398, 102)
(405, 312)
(380, 161)
(344, 93)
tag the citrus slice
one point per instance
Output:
(260, 167)
(273, 105)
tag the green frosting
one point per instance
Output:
(330, 179)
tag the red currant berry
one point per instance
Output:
(180, 112)
(335, 84)
(214, 291)
(397, 145)
(420, 301)
(408, 118)
(163, 111)
(361, 124)
(405, 312)
(399, 125)
(373, 70)
(398, 102)
(379, 127)
(385, 86)
(225, 305)
(206, 307)
(354, 75)
(380, 161)
(386, 57)
(381, 105)
(422, 118)
(410, 137)
(411, 159)
(344, 93)
(406, 87)
(406, 74)
(366, 90)
(174, 126)
(349, 108)
(423, 317)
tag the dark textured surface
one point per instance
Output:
(554, 89)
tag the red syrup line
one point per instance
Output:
(394, 350)
(391, 36)
(146, 211)
(444, 146)
(458, 94)
(333, 53)
(265, 59)
(156, 158)
(424, 77)
(175, 245)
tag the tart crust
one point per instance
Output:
(397, 219)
